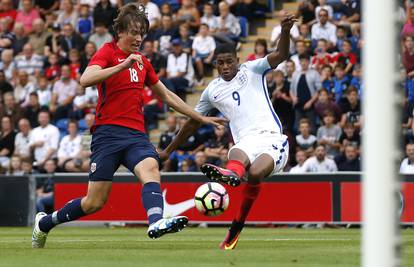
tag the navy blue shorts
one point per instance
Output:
(114, 145)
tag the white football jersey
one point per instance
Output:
(244, 101)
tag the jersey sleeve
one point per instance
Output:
(102, 57)
(259, 66)
(151, 78)
(204, 105)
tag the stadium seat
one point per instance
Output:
(62, 125)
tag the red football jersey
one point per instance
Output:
(120, 96)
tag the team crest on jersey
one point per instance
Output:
(140, 66)
(93, 167)
(242, 78)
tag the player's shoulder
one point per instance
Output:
(108, 47)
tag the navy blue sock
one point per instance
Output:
(70, 212)
(153, 201)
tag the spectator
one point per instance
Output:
(44, 188)
(351, 161)
(67, 14)
(7, 11)
(407, 122)
(64, 91)
(167, 136)
(20, 38)
(189, 14)
(300, 159)
(350, 136)
(203, 51)
(303, 90)
(38, 38)
(324, 29)
(356, 79)
(90, 50)
(186, 41)
(305, 141)
(21, 142)
(46, 7)
(6, 37)
(199, 159)
(152, 107)
(82, 160)
(5, 86)
(27, 15)
(305, 35)
(321, 57)
(11, 108)
(7, 64)
(351, 12)
(346, 57)
(306, 11)
(329, 134)
(276, 33)
(85, 22)
(407, 165)
(29, 61)
(53, 42)
(319, 162)
(74, 59)
(23, 88)
(408, 63)
(341, 83)
(80, 104)
(301, 49)
(164, 35)
(101, 35)
(221, 140)
(27, 165)
(32, 110)
(408, 28)
(209, 18)
(352, 109)
(69, 148)
(43, 91)
(70, 40)
(44, 140)
(282, 101)
(165, 9)
(6, 141)
(228, 26)
(290, 69)
(326, 78)
(52, 72)
(15, 167)
(158, 61)
(324, 5)
(341, 34)
(260, 50)
(105, 12)
(154, 15)
(325, 104)
(180, 72)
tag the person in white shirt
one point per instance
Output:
(407, 165)
(300, 159)
(101, 35)
(44, 91)
(23, 88)
(229, 27)
(44, 139)
(64, 91)
(209, 18)
(323, 5)
(275, 37)
(154, 14)
(29, 61)
(324, 29)
(203, 49)
(21, 142)
(319, 162)
(69, 148)
(240, 93)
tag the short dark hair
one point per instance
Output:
(351, 89)
(304, 56)
(131, 13)
(224, 49)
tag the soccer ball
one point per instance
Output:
(211, 199)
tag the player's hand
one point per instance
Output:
(163, 156)
(287, 21)
(215, 121)
(130, 60)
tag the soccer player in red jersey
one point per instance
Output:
(119, 137)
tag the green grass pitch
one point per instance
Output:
(117, 247)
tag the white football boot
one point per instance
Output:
(38, 237)
(166, 226)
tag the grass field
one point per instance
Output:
(118, 247)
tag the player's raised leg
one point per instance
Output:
(262, 167)
(148, 172)
(98, 193)
(233, 172)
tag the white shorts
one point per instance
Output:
(274, 144)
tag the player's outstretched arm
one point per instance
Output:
(177, 104)
(282, 51)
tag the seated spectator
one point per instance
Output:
(27, 15)
(305, 141)
(408, 28)
(69, 148)
(44, 92)
(5, 86)
(7, 64)
(21, 142)
(105, 12)
(282, 101)
(169, 134)
(8, 12)
(165, 9)
(350, 161)
(276, 34)
(305, 35)
(6, 141)
(158, 62)
(70, 40)
(350, 136)
(209, 18)
(356, 79)
(341, 34)
(45, 187)
(199, 159)
(38, 38)
(27, 165)
(67, 14)
(44, 140)
(319, 162)
(321, 57)
(329, 134)
(164, 35)
(221, 140)
(80, 104)
(15, 167)
(325, 104)
(154, 15)
(53, 42)
(306, 11)
(180, 72)
(203, 51)
(326, 78)
(300, 159)
(52, 72)
(64, 91)
(101, 35)
(327, 7)
(32, 109)
(290, 69)
(301, 49)
(324, 29)
(407, 165)
(186, 165)
(352, 109)
(152, 107)
(189, 14)
(346, 57)
(74, 59)
(82, 160)
(85, 22)
(29, 61)
(11, 108)
(20, 38)
(228, 26)
(260, 50)
(341, 83)
(351, 12)
(90, 50)
(23, 88)
(186, 40)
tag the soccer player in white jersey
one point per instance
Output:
(260, 149)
